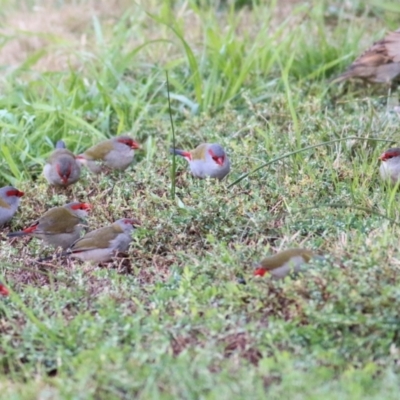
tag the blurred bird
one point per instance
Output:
(61, 168)
(285, 262)
(9, 202)
(116, 153)
(59, 226)
(206, 160)
(390, 165)
(3, 290)
(104, 243)
(379, 64)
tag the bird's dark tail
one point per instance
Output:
(27, 231)
(53, 257)
(17, 234)
(179, 152)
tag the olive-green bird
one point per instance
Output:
(104, 243)
(116, 153)
(59, 226)
(285, 262)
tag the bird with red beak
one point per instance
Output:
(286, 262)
(59, 226)
(390, 165)
(61, 168)
(206, 160)
(116, 153)
(102, 244)
(3, 289)
(9, 202)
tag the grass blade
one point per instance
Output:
(173, 168)
(303, 150)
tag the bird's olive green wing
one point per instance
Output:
(58, 220)
(4, 204)
(281, 258)
(199, 153)
(99, 151)
(98, 239)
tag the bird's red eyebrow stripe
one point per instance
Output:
(131, 143)
(82, 206)
(14, 193)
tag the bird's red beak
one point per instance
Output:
(3, 290)
(220, 160)
(133, 221)
(260, 271)
(383, 157)
(135, 145)
(86, 206)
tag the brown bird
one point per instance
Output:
(116, 153)
(379, 64)
(59, 226)
(61, 168)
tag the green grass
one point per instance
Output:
(172, 321)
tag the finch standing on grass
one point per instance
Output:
(9, 202)
(390, 165)
(206, 160)
(59, 226)
(285, 262)
(116, 153)
(61, 168)
(104, 243)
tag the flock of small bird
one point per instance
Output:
(62, 226)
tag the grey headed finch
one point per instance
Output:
(206, 160)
